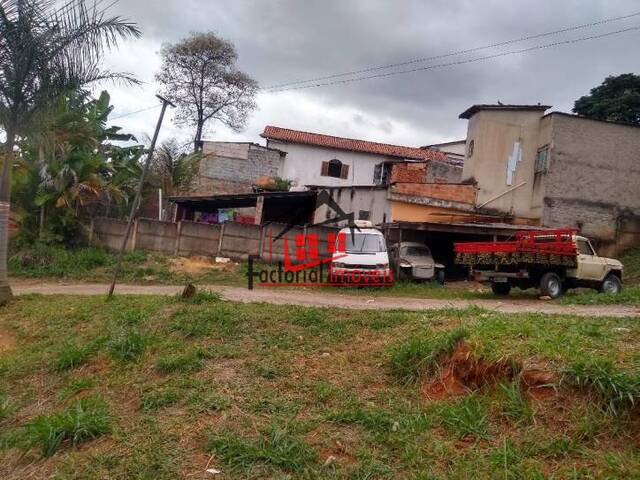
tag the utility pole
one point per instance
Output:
(136, 201)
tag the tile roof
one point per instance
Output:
(473, 109)
(307, 138)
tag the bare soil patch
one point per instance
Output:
(198, 265)
(464, 372)
(7, 342)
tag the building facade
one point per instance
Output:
(556, 170)
(325, 160)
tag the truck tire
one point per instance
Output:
(501, 288)
(551, 285)
(440, 277)
(611, 284)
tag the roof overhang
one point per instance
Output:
(472, 110)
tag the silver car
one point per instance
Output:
(416, 262)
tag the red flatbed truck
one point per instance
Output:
(552, 260)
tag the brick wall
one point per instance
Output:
(450, 192)
(409, 172)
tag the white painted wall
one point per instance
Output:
(303, 164)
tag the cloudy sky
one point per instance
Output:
(282, 41)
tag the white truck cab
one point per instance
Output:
(361, 257)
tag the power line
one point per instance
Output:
(136, 111)
(278, 87)
(460, 62)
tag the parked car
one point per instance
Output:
(416, 262)
(363, 259)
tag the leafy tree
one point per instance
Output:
(173, 169)
(199, 74)
(616, 99)
(69, 164)
(47, 49)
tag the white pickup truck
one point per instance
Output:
(553, 261)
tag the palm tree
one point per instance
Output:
(173, 169)
(47, 49)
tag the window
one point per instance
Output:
(364, 243)
(335, 168)
(381, 174)
(470, 148)
(364, 215)
(542, 160)
(584, 248)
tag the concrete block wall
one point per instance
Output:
(155, 236)
(233, 240)
(198, 239)
(442, 191)
(234, 167)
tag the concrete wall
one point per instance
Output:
(233, 240)
(495, 135)
(443, 172)
(356, 199)
(441, 191)
(230, 167)
(303, 164)
(593, 179)
(155, 236)
(109, 233)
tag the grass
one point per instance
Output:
(84, 420)
(466, 417)
(617, 390)
(422, 354)
(71, 356)
(274, 447)
(290, 392)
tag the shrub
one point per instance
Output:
(127, 345)
(86, 419)
(618, 391)
(422, 355)
(70, 356)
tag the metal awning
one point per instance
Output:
(240, 200)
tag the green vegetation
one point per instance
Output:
(71, 356)
(617, 390)
(421, 354)
(84, 420)
(291, 392)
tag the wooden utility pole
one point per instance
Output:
(136, 201)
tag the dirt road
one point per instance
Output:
(330, 299)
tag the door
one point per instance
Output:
(590, 265)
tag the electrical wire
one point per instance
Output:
(460, 62)
(456, 53)
(135, 112)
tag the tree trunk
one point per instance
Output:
(198, 137)
(5, 198)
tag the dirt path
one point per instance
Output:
(329, 299)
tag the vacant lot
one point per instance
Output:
(155, 387)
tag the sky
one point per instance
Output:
(282, 41)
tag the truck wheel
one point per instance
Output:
(440, 277)
(551, 285)
(500, 288)
(611, 284)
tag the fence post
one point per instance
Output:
(220, 239)
(176, 249)
(261, 244)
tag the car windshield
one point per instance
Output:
(416, 251)
(364, 243)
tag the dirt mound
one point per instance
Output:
(463, 372)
